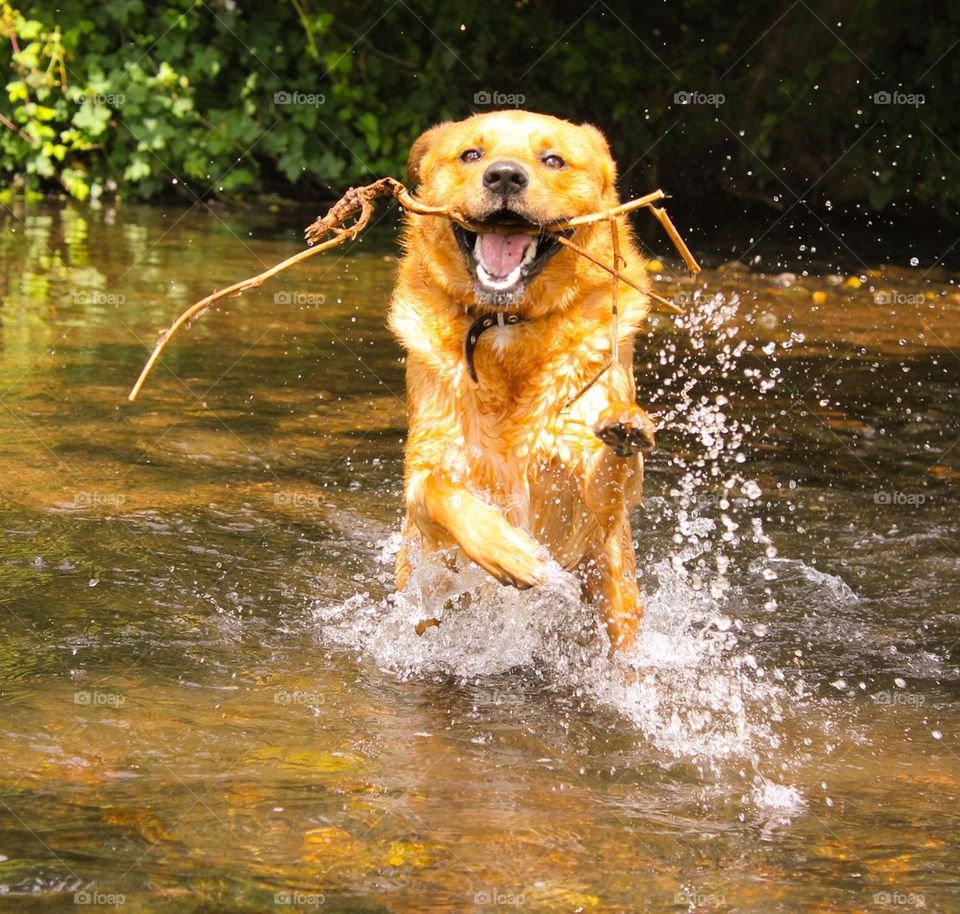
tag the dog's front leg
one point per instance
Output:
(447, 513)
(614, 471)
(612, 485)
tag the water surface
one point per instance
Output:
(212, 703)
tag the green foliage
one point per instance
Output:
(304, 97)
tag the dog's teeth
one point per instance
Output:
(476, 250)
(530, 253)
(499, 284)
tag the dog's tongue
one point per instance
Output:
(502, 254)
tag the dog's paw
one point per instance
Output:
(518, 565)
(625, 428)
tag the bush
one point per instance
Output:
(304, 98)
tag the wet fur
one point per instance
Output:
(500, 470)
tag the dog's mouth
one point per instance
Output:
(505, 257)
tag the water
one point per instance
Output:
(212, 701)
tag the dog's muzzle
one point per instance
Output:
(502, 261)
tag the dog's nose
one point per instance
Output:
(505, 177)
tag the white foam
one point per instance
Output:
(686, 685)
(779, 799)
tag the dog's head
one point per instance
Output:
(512, 174)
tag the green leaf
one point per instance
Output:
(371, 130)
(28, 29)
(137, 170)
(92, 119)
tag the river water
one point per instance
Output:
(211, 701)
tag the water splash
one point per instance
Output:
(686, 685)
(691, 685)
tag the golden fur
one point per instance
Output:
(503, 470)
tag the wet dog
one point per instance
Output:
(505, 466)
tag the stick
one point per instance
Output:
(587, 386)
(620, 210)
(615, 295)
(12, 126)
(361, 199)
(239, 288)
(678, 242)
(669, 305)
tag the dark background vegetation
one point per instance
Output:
(144, 100)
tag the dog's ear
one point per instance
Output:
(418, 150)
(600, 144)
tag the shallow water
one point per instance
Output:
(211, 702)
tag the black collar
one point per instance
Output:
(485, 322)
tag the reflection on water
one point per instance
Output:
(213, 701)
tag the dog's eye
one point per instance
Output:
(554, 161)
(471, 155)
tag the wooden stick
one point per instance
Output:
(12, 126)
(587, 386)
(669, 305)
(361, 199)
(620, 210)
(618, 261)
(678, 242)
(238, 288)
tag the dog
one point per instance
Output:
(505, 465)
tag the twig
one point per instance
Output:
(678, 242)
(669, 305)
(245, 285)
(588, 385)
(359, 201)
(618, 261)
(307, 27)
(620, 210)
(12, 126)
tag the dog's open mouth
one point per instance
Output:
(504, 261)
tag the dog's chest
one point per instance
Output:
(527, 455)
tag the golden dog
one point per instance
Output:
(502, 330)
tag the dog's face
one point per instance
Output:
(512, 173)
